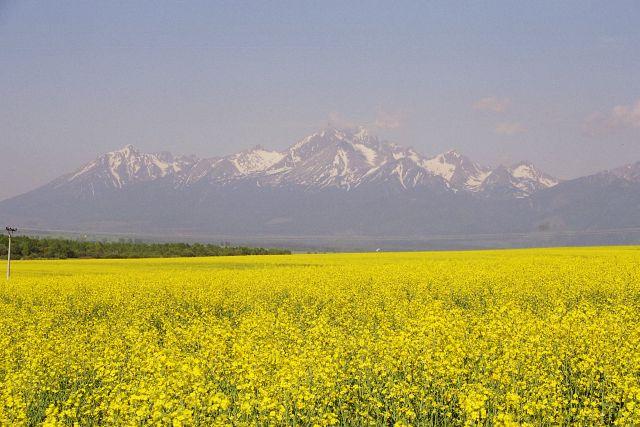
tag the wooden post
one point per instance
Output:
(9, 259)
(10, 233)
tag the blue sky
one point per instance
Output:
(557, 83)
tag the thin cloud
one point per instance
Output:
(492, 104)
(626, 115)
(620, 117)
(389, 120)
(596, 124)
(383, 120)
(509, 128)
(337, 120)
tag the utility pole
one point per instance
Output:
(10, 232)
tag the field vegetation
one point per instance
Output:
(530, 337)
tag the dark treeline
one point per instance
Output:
(23, 247)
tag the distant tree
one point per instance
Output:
(33, 248)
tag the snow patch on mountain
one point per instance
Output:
(255, 160)
(474, 182)
(523, 171)
(440, 166)
(82, 171)
(368, 153)
(527, 173)
(340, 158)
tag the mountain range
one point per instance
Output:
(335, 182)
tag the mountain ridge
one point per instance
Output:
(340, 158)
(334, 182)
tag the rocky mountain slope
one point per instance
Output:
(335, 182)
(333, 158)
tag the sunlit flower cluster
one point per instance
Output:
(451, 338)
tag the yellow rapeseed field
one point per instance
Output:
(537, 337)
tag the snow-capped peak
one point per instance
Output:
(451, 154)
(520, 180)
(444, 164)
(341, 158)
(524, 170)
(362, 132)
(128, 150)
(255, 159)
(527, 171)
(128, 165)
(457, 169)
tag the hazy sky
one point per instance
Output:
(557, 83)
